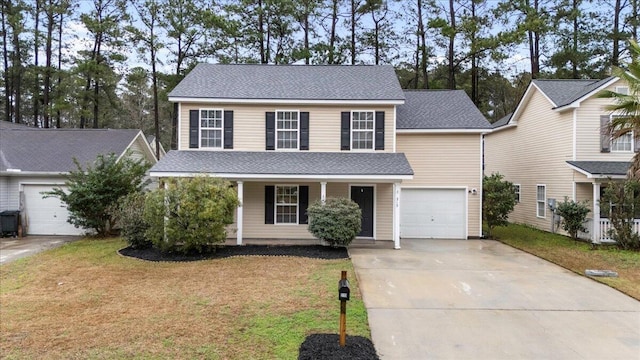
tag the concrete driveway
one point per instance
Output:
(16, 248)
(480, 299)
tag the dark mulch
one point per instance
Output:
(327, 347)
(308, 251)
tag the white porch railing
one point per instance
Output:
(603, 235)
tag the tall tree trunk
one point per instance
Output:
(421, 65)
(574, 60)
(36, 73)
(156, 109)
(615, 56)
(332, 38)
(47, 70)
(474, 58)
(17, 70)
(59, 70)
(5, 62)
(353, 31)
(263, 56)
(307, 53)
(450, 54)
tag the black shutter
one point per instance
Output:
(605, 134)
(345, 131)
(194, 128)
(379, 130)
(228, 129)
(304, 131)
(271, 131)
(303, 204)
(269, 198)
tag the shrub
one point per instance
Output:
(573, 216)
(498, 200)
(190, 214)
(624, 201)
(94, 192)
(131, 218)
(337, 222)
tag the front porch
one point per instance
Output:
(602, 228)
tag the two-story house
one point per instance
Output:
(553, 147)
(290, 135)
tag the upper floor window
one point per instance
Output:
(622, 90)
(211, 128)
(287, 126)
(362, 130)
(541, 195)
(622, 143)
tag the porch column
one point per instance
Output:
(239, 215)
(396, 215)
(595, 231)
(323, 191)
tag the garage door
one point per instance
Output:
(433, 213)
(46, 216)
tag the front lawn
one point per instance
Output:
(83, 300)
(577, 256)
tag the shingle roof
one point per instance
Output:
(602, 168)
(564, 92)
(502, 121)
(53, 150)
(439, 109)
(290, 82)
(284, 163)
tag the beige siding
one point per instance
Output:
(446, 160)
(535, 152)
(254, 207)
(588, 130)
(249, 125)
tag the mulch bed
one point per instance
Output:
(308, 251)
(327, 347)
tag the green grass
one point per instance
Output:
(577, 256)
(83, 300)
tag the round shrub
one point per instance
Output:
(337, 221)
(131, 218)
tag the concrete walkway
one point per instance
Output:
(480, 299)
(16, 248)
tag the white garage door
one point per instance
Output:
(46, 216)
(433, 213)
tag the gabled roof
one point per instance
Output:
(53, 150)
(601, 169)
(289, 82)
(439, 109)
(502, 121)
(283, 164)
(565, 91)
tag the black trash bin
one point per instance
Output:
(9, 222)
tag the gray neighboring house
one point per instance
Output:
(289, 135)
(35, 160)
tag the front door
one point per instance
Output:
(363, 196)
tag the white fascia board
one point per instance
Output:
(274, 177)
(525, 98)
(284, 101)
(504, 127)
(543, 94)
(33, 173)
(596, 176)
(442, 131)
(577, 102)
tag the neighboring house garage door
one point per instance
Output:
(433, 213)
(46, 216)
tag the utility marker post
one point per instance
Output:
(344, 292)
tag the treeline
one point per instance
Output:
(68, 63)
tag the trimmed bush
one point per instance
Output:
(573, 216)
(191, 214)
(131, 218)
(498, 200)
(337, 222)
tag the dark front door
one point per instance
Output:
(363, 196)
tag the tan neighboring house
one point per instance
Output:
(552, 148)
(35, 160)
(287, 136)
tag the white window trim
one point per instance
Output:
(275, 205)
(544, 201)
(297, 131)
(613, 139)
(373, 131)
(200, 128)
(518, 192)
